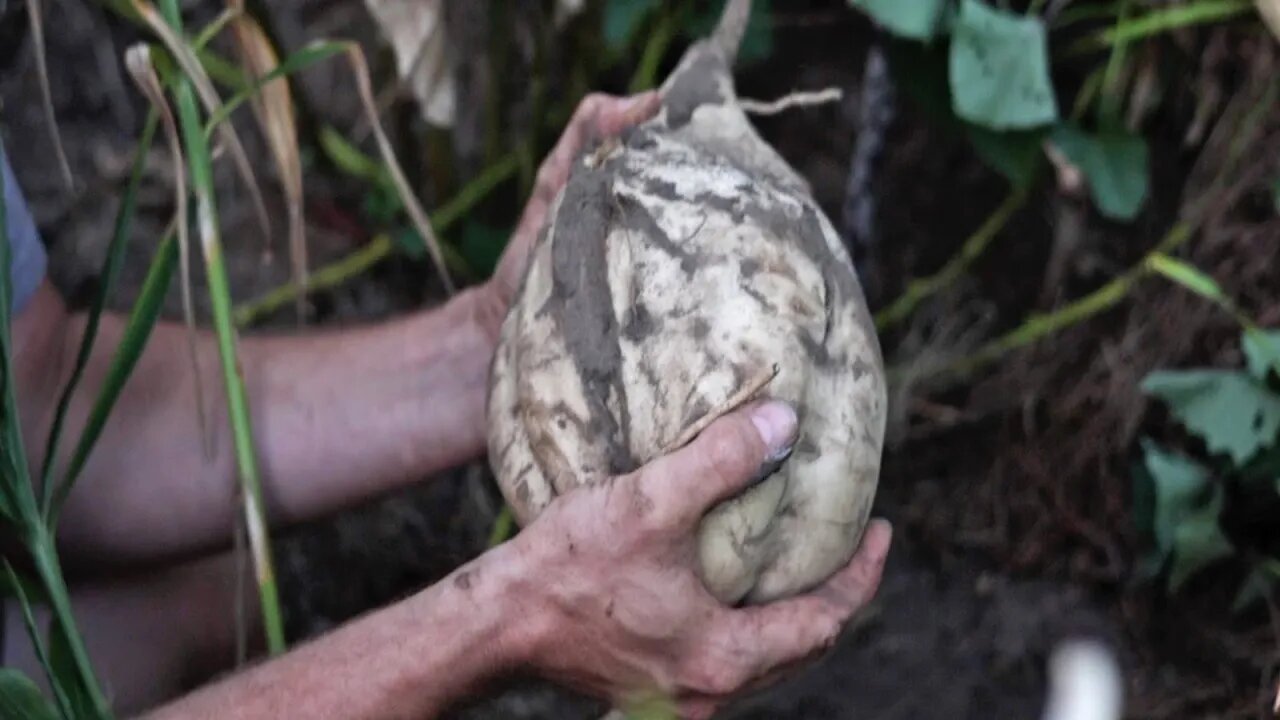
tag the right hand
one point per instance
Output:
(617, 583)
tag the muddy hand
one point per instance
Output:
(622, 609)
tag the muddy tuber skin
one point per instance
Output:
(685, 270)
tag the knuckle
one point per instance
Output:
(590, 105)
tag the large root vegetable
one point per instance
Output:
(685, 268)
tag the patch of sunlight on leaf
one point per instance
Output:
(1115, 164)
(999, 69)
(918, 19)
(1230, 410)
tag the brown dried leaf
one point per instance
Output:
(195, 72)
(274, 110)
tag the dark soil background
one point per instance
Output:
(1010, 491)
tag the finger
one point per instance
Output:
(787, 632)
(723, 460)
(616, 115)
(853, 587)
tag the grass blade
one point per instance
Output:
(300, 60)
(37, 641)
(106, 283)
(138, 61)
(20, 699)
(220, 295)
(142, 319)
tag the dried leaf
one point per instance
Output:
(421, 223)
(186, 59)
(273, 108)
(419, 40)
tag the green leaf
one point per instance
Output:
(1189, 277)
(110, 272)
(915, 19)
(20, 699)
(1185, 523)
(300, 60)
(1115, 164)
(1258, 584)
(1179, 484)
(623, 17)
(350, 159)
(142, 319)
(18, 586)
(481, 245)
(63, 664)
(1261, 351)
(1015, 154)
(410, 242)
(1198, 542)
(1230, 410)
(999, 69)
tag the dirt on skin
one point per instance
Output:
(1010, 492)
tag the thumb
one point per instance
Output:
(733, 452)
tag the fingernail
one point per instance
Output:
(777, 423)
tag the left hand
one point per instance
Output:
(597, 116)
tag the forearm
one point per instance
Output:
(338, 416)
(413, 659)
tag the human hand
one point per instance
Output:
(597, 116)
(624, 612)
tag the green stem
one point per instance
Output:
(246, 455)
(1040, 326)
(1156, 22)
(647, 71)
(233, 381)
(974, 246)
(44, 555)
(344, 269)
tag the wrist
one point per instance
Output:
(479, 623)
(487, 305)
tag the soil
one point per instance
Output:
(1010, 490)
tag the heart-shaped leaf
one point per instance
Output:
(1230, 410)
(914, 19)
(1115, 164)
(999, 69)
